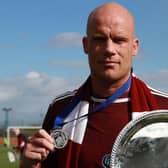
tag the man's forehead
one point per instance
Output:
(119, 25)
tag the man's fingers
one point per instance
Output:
(38, 154)
(39, 142)
(43, 134)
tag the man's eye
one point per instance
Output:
(120, 40)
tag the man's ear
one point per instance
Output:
(135, 46)
(85, 44)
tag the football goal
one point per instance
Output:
(26, 130)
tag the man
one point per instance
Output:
(21, 140)
(92, 116)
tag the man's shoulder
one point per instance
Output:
(159, 93)
(64, 97)
(161, 98)
(55, 107)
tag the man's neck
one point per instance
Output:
(101, 89)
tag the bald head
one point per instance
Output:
(112, 11)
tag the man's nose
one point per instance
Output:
(110, 46)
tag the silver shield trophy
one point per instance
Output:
(142, 143)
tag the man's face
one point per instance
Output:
(110, 45)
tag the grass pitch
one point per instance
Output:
(4, 161)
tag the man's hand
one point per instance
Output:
(37, 149)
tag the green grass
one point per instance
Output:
(4, 162)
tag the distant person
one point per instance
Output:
(21, 140)
(5, 142)
(91, 117)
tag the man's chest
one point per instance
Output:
(101, 132)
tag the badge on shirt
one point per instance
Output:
(106, 161)
(60, 138)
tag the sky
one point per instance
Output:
(41, 53)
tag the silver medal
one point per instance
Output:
(60, 138)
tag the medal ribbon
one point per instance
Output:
(59, 120)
